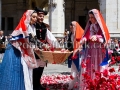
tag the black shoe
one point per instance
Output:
(37, 88)
(42, 88)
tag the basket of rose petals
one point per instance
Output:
(55, 56)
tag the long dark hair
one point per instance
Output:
(90, 12)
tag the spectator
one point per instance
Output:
(2, 41)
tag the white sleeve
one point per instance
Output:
(29, 30)
(52, 40)
(101, 40)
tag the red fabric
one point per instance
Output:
(79, 32)
(87, 34)
(22, 43)
(107, 35)
(22, 24)
(78, 35)
(102, 23)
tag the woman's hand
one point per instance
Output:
(67, 50)
(83, 40)
(93, 38)
(36, 49)
(75, 52)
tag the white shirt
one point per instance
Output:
(50, 39)
(1, 37)
(93, 29)
(32, 29)
(49, 36)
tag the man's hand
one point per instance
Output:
(46, 47)
(67, 50)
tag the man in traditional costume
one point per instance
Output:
(46, 37)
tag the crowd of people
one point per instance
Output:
(21, 68)
(114, 47)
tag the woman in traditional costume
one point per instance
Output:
(19, 61)
(76, 33)
(95, 39)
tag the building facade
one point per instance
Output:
(12, 11)
(61, 13)
(76, 10)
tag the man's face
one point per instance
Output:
(40, 17)
(1, 33)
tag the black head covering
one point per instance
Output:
(38, 10)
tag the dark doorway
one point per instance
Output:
(10, 21)
(33, 5)
(82, 21)
(3, 23)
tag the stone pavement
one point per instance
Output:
(53, 70)
(57, 69)
(63, 69)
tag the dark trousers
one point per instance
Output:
(37, 73)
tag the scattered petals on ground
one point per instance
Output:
(58, 81)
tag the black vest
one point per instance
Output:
(41, 30)
(69, 42)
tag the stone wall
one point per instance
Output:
(13, 9)
(113, 17)
(75, 8)
(111, 12)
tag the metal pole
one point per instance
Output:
(50, 12)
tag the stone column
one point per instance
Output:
(111, 13)
(0, 13)
(56, 17)
(118, 10)
(102, 6)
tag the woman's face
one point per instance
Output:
(33, 18)
(92, 18)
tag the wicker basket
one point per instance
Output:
(57, 57)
